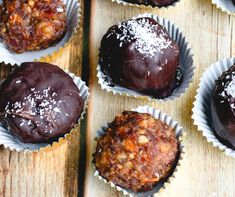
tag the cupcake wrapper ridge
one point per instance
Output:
(186, 64)
(180, 135)
(73, 8)
(124, 3)
(201, 106)
(226, 6)
(8, 140)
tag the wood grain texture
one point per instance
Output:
(205, 171)
(53, 172)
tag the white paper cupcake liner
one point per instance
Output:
(73, 8)
(8, 140)
(180, 135)
(186, 64)
(225, 5)
(201, 109)
(124, 3)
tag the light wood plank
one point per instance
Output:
(205, 171)
(49, 173)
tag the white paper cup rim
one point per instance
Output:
(180, 135)
(73, 11)
(226, 6)
(8, 140)
(201, 107)
(124, 3)
(186, 64)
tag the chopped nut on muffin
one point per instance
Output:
(32, 24)
(136, 152)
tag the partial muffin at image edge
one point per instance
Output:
(223, 107)
(153, 3)
(39, 102)
(227, 6)
(32, 25)
(136, 152)
(140, 55)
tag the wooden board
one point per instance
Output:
(50, 173)
(205, 171)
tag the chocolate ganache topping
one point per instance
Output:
(140, 55)
(39, 102)
(159, 3)
(223, 108)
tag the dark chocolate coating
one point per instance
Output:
(39, 102)
(145, 62)
(222, 109)
(154, 3)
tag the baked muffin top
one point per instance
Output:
(136, 152)
(28, 25)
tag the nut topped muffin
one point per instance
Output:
(136, 152)
(154, 3)
(39, 102)
(140, 55)
(223, 107)
(28, 25)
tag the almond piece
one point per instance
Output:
(121, 156)
(131, 156)
(143, 139)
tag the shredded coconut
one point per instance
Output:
(230, 89)
(147, 41)
(42, 103)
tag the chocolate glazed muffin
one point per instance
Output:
(223, 108)
(140, 55)
(136, 152)
(39, 102)
(154, 3)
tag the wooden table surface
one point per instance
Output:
(205, 171)
(54, 172)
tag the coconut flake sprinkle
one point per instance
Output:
(36, 103)
(230, 89)
(143, 32)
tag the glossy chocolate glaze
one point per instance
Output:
(223, 108)
(159, 3)
(39, 102)
(140, 55)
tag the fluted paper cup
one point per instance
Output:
(124, 3)
(8, 140)
(226, 6)
(73, 12)
(180, 135)
(186, 64)
(201, 106)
